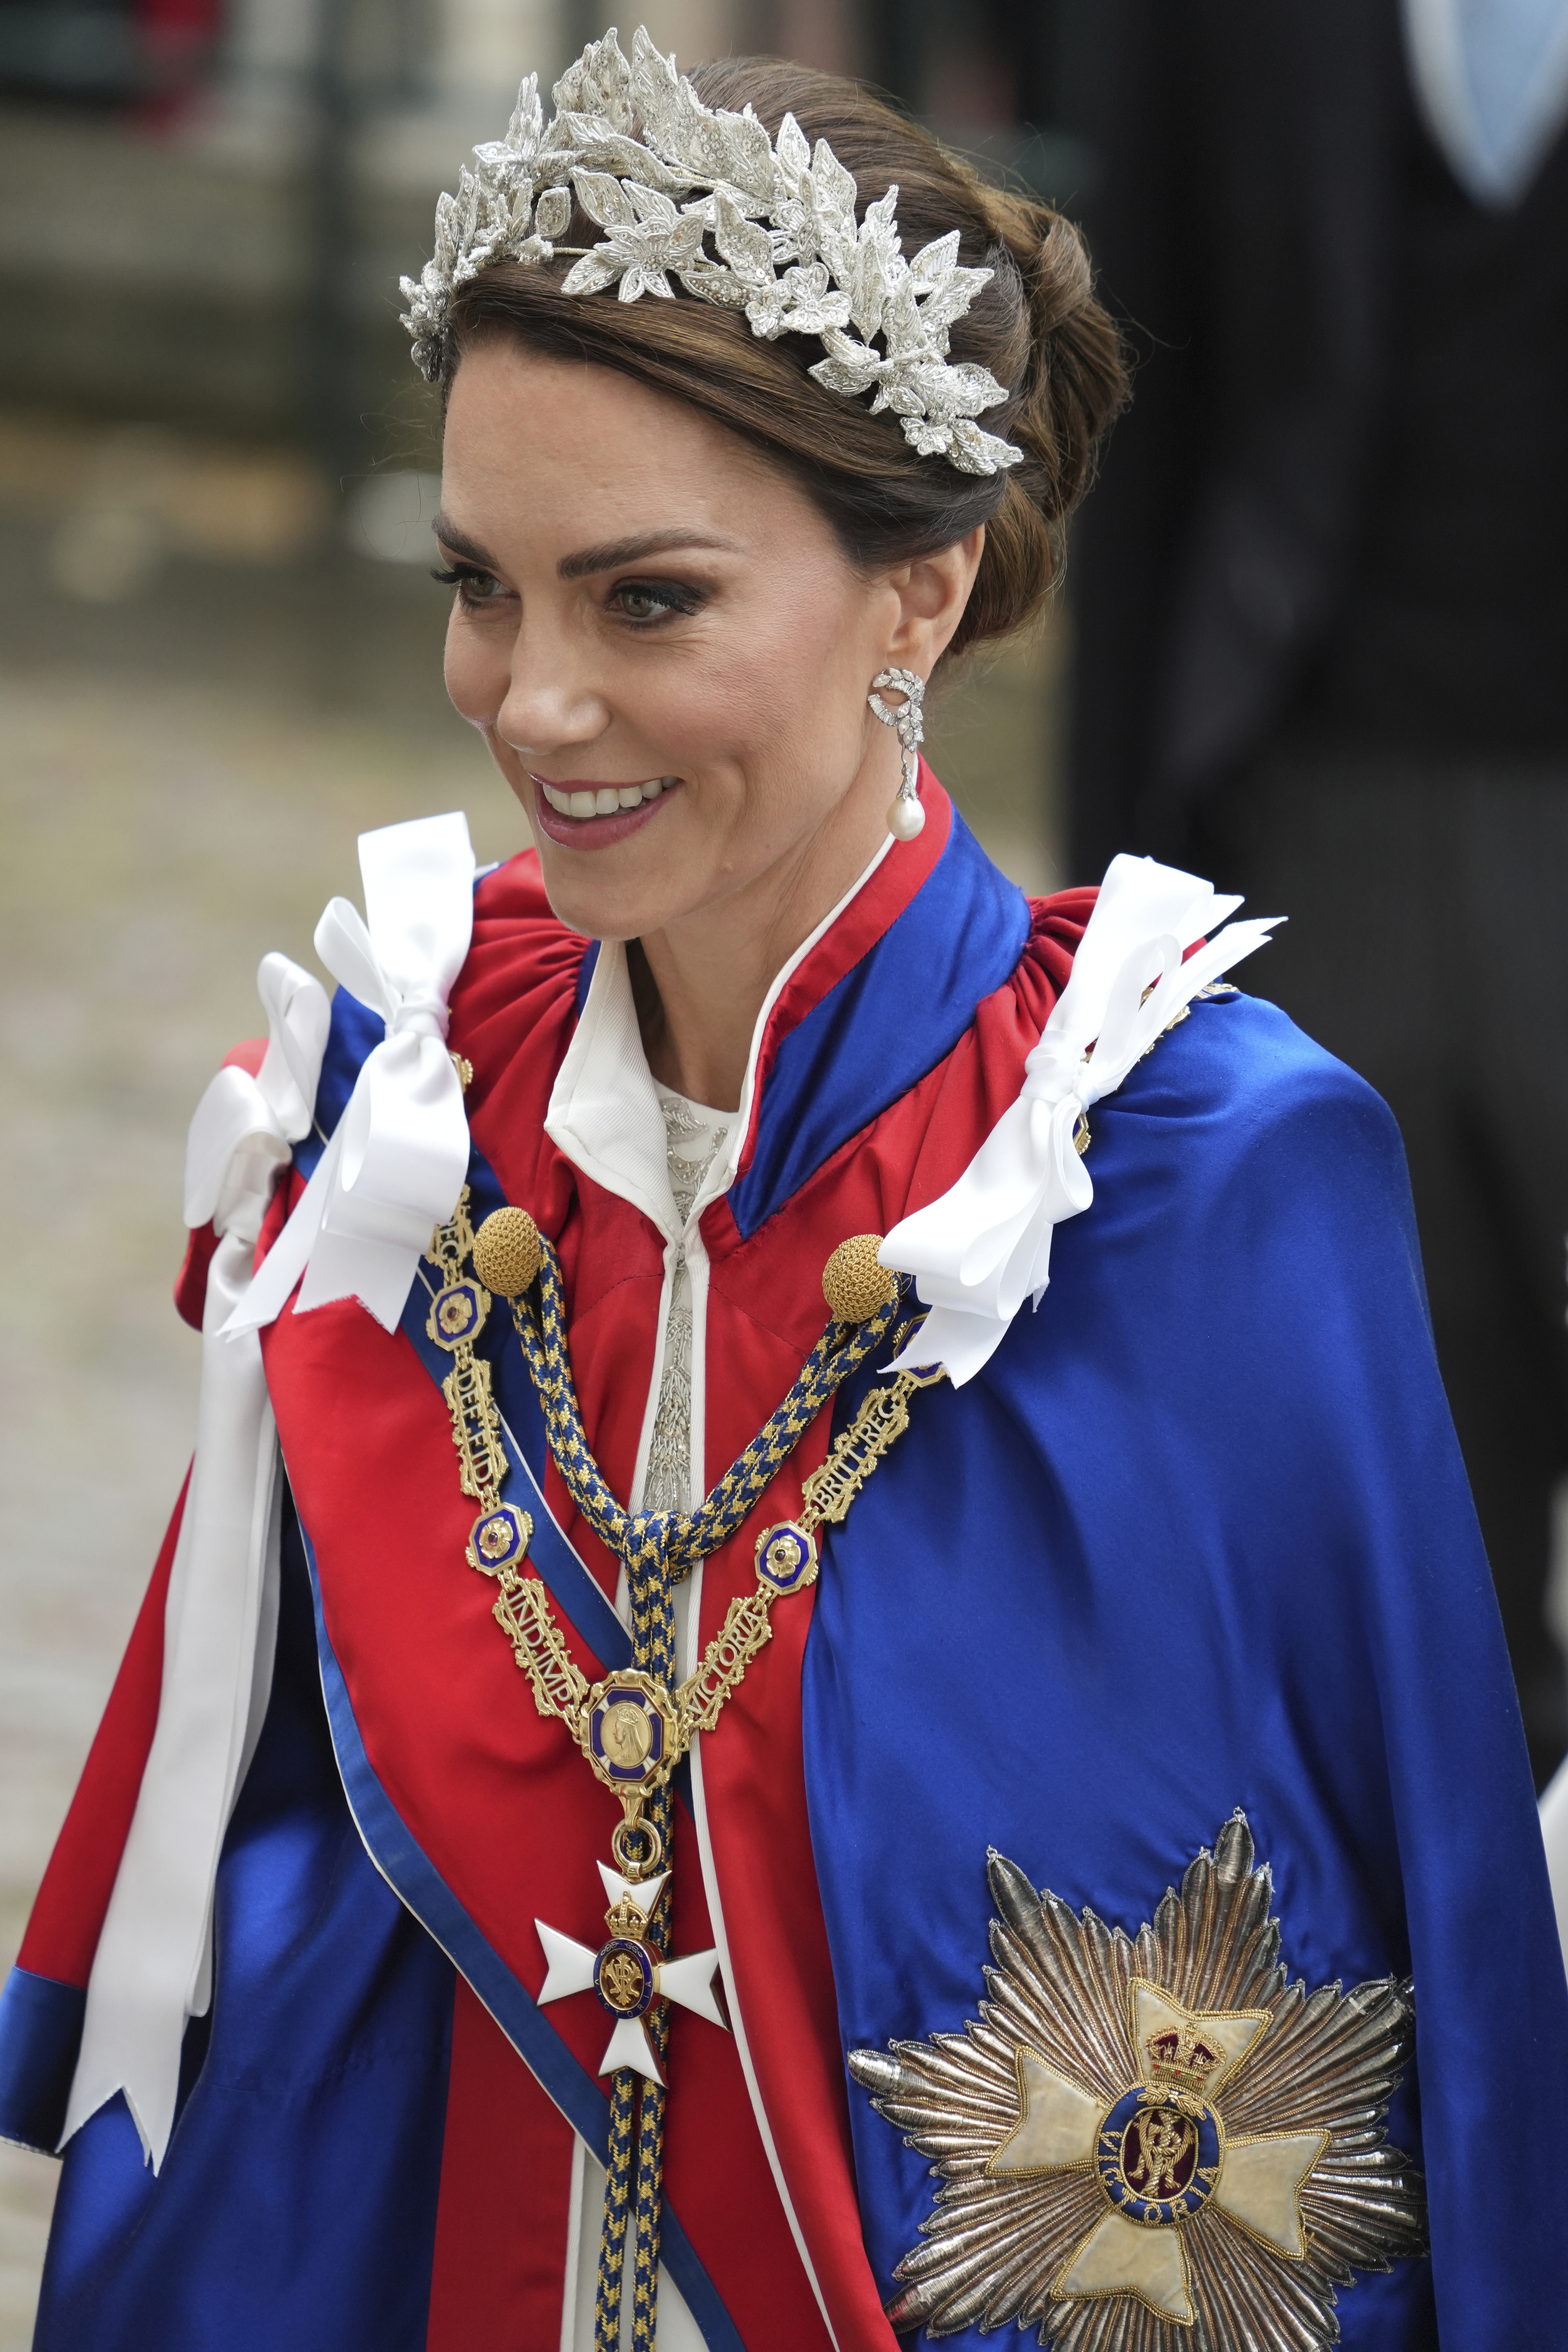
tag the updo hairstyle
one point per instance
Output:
(1036, 325)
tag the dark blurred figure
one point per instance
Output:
(1321, 600)
(149, 56)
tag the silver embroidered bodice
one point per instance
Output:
(693, 1138)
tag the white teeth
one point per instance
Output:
(605, 799)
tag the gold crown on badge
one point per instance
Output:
(1180, 2060)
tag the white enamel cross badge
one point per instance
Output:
(626, 1973)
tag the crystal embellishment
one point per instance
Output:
(702, 196)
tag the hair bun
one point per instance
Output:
(1063, 281)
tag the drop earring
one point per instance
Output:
(905, 816)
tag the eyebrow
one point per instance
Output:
(461, 545)
(588, 561)
(636, 549)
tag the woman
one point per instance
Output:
(865, 1671)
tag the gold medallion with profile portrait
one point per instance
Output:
(631, 1731)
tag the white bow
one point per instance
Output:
(153, 1970)
(396, 1162)
(986, 1245)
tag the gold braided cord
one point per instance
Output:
(683, 1537)
(652, 2101)
(617, 2209)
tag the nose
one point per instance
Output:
(551, 703)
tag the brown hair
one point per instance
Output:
(1036, 325)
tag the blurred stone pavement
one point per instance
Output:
(193, 731)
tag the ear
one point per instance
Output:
(932, 593)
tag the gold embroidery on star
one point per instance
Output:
(1160, 2144)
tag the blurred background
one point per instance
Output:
(1326, 555)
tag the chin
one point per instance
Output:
(597, 908)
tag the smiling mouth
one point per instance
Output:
(584, 801)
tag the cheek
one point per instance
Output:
(477, 669)
(787, 677)
(808, 676)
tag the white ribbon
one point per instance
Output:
(154, 1966)
(396, 1163)
(983, 1247)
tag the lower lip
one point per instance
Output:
(594, 831)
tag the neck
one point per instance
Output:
(699, 983)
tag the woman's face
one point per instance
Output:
(663, 645)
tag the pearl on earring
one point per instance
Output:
(906, 818)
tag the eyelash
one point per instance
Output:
(467, 580)
(666, 594)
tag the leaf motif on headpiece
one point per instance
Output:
(599, 83)
(712, 283)
(850, 368)
(591, 274)
(792, 152)
(552, 212)
(935, 263)
(966, 389)
(749, 250)
(604, 199)
(974, 452)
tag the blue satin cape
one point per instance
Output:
(1198, 1538)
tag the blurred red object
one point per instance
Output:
(178, 40)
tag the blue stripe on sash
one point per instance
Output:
(574, 1590)
(419, 1884)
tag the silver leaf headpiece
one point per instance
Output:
(667, 178)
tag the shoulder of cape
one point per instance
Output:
(524, 979)
(968, 1090)
(1241, 1061)
(1255, 1140)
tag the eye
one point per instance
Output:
(474, 586)
(646, 602)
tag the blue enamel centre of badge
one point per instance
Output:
(623, 1977)
(786, 1557)
(499, 1538)
(456, 1313)
(1158, 2162)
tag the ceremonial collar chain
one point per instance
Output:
(634, 1726)
(632, 146)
